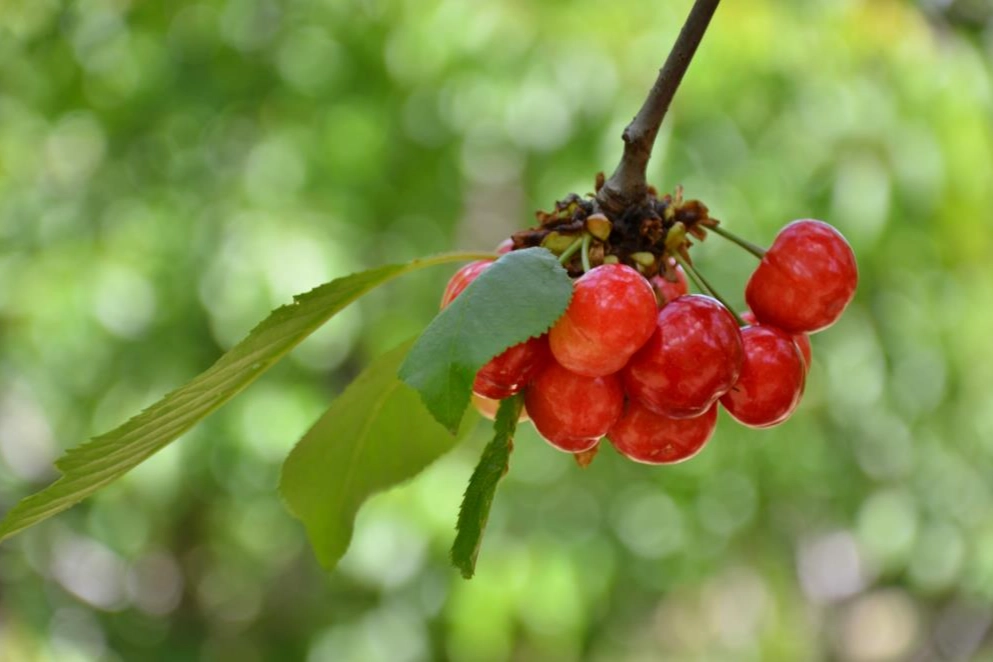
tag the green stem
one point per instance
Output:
(584, 254)
(569, 252)
(699, 280)
(691, 273)
(755, 250)
(454, 256)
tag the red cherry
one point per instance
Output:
(509, 372)
(488, 407)
(802, 340)
(611, 315)
(667, 290)
(693, 357)
(806, 279)
(647, 437)
(771, 380)
(571, 411)
(461, 280)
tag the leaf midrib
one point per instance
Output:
(359, 447)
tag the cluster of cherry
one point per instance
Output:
(644, 363)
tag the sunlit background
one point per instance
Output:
(171, 171)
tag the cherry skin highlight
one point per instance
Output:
(611, 315)
(643, 436)
(572, 411)
(693, 357)
(667, 290)
(771, 381)
(802, 340)
(509, 372)
(805, 280)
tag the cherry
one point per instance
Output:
(573, 411)
(805, 280)
(509, 372)
(771, 381)
(611, 315)
(647, 437)
(461, 280)
(693, 357)
(488, 407)
(802, 340)
(667, 290)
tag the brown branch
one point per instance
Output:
(627, 186)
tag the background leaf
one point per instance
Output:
(377, 434)
(519, 297)
(478, 498)
(107, 457)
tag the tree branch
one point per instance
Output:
(627, 185)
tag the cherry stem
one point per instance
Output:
(628, 185)
(691, 273)
(455, 256)
(584, 254)
(569, 252)
(702, 284)
(755, 250)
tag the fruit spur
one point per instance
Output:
(638, 359)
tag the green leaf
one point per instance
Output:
(107, 457)
(478, 498)
(377, 434)
(520, 296)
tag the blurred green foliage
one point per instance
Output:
(169, 172)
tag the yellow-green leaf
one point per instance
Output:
(377, 434)
(105, 458)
